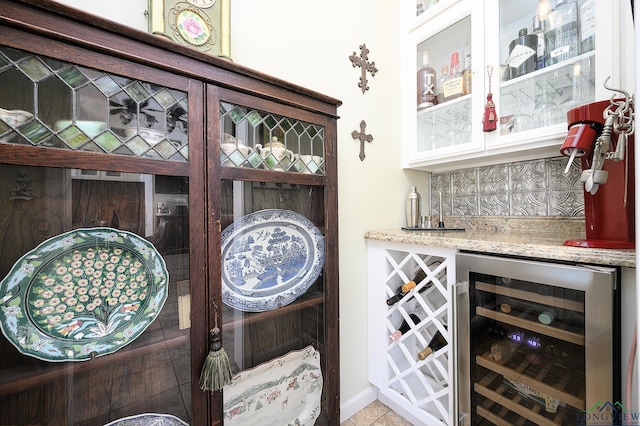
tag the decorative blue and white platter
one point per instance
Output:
(83, 293)
(284, 391)
(269, 259)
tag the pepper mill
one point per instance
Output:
(413, 208)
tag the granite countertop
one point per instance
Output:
(528, 237)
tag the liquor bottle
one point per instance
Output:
(453, 85)
(437, 342)
(523, 54)
(561, 34)
(467, 74)
(440, 84)
(401, 292)
(426, 84)
(587, 11)
(540, 51)
(416, 315)
(413, 207)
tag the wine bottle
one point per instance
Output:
(540, 50)
(561, 34)
(416, 315)
(454, 85)
(587, 11)
(467, 75)
(401, 292)
(523, 54)
(426, 84)
(437, 342)
(440, 85)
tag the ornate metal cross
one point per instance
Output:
(361, 61)
(362, 135)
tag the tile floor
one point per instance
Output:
(376, 414)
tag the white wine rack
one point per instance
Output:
(421, 390)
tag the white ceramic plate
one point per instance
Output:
(148, 419)
(284, 391)
(269, 259)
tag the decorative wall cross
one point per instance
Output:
(361, 61)
(362, 135)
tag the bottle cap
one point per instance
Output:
(546, 317)
(425, 58)
(505, 308)
(455, 59)
(522, 32)
(537, 25)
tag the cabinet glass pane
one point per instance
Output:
(447, 122)
(50, 103)
(547, 62)
(148, 373)
(253, 338)
(257, 139)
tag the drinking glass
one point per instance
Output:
(547, 112)
(521, 121)
(452, 136)
(433, 139)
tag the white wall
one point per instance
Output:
(308, 42)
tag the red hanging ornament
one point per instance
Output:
(490, 117)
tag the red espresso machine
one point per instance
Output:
(601, 136)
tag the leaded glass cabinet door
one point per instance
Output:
(278, 245)
(97, 192)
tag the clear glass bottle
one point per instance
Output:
(426, 84)
(587, 12)
(540, 50)
(453, 85)
(440, 84)
(561, 33)
(523, 54)
(467, 75)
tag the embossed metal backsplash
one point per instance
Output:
(528, 188)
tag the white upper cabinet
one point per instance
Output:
(531, 92)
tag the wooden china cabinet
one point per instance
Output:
(98, 122)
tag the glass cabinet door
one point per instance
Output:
(261, 140)
(273, 290)
(94, 297)
(447, 67)
(546, 68)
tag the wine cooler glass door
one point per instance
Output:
(540, 343)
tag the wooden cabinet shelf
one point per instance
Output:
(35, 373)
(314, 298)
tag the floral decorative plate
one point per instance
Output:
(83, 293)
(149, 419)
(285, 391)
(269, 259)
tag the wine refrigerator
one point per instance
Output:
(537, 343)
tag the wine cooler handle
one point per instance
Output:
(459, 297)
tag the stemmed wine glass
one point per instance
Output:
(433, 139)
(452, 136)
(520, 121)
(547, 111)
